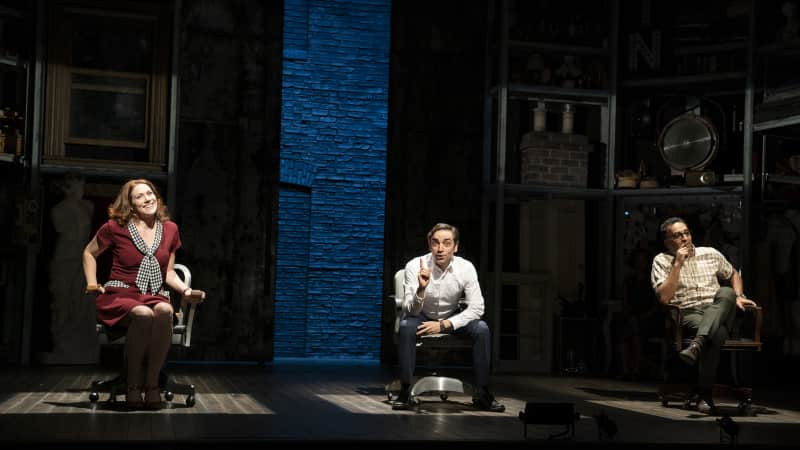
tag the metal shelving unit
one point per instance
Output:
(785, 127)
(500, 194)
(17, 252)
(732, 82)
(532, 290)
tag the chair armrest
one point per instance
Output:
(398, 312)
(186, 341)
(673, 318)
(186, 311)
(759, 318)
(186, 275)
(398, 302)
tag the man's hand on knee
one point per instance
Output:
(428, 327)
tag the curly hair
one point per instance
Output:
(122, 211)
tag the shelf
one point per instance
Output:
(535, 191)
(711, 48)
(559, 48)
(555, 94)
(8, 157)
(682, 190)
(777, 123)
(686, 79)
(12, 61)
(782, 179)
(96, 169)
(788, 48)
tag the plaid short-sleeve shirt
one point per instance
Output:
(699, 278)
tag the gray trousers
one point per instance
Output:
(477, 330)
(714, 321)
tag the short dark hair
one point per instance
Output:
(443, 226)
(668, 223)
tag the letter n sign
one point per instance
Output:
(637, 47)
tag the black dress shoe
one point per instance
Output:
(486, 401)
(690, 354)
(402, 401)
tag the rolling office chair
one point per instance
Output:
(181, 335)
(680, 390)
(437, 345)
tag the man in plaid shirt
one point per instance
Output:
(688, 276)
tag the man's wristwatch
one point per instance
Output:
(441, 326)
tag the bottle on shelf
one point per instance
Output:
(11, 131)
(19, 127)
(4, 130)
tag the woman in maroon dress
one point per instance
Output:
(143, 242)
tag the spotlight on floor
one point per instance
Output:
(537, 413)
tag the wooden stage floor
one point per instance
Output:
(294, 402)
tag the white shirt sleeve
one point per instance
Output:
(411, 303)
(472, 296)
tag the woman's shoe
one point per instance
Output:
(152, 397)
(133, 397)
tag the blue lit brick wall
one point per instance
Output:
(333, 169)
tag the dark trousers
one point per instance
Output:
(714, 321)
(477, 330)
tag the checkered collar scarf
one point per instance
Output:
(149, 276)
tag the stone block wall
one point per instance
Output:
(556, 159)
(333, 156)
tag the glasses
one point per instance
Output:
(681, 234)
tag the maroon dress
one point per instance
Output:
(117, 301)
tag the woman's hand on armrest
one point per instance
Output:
(95, 289)
(194, 295)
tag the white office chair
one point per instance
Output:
(181, 335)
(435, 383)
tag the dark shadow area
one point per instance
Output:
(633, 395)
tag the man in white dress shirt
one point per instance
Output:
(434, 283)
(688, 276)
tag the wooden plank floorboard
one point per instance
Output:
(104, 427)
(247, 398)
(217, 395)
(305, 402)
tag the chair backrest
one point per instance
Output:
(399, 293)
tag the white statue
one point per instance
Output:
(792, 26)
(72, 313)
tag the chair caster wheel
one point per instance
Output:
(745, 408)
(190, 401)
(94, 397)
(168, 396)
